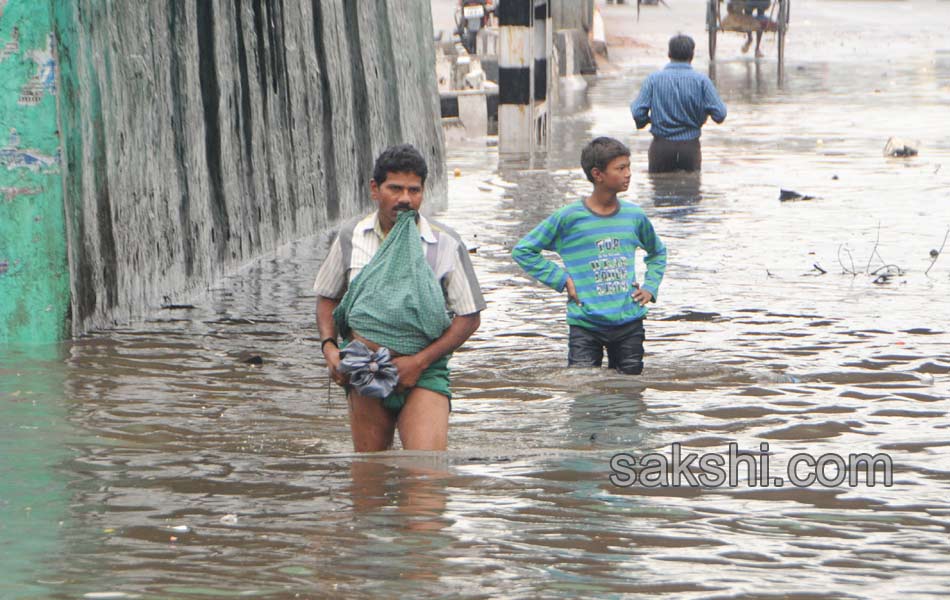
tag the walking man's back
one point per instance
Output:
(676, 102)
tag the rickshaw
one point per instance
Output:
(739, 19)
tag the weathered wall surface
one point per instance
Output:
(199, 134)
(34, 277)
(572, 14)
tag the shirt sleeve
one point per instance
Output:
(463, 295)
(640, 108)
(655, 259)
(331, 279)
(527, 253)
(713, 104)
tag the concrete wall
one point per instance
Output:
(572, 14)
(200, 134)
(34, 280)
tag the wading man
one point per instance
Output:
(676, 102)
(417, 296)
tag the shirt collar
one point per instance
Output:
(425, 230)
(678, 65)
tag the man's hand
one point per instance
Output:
(410, 369)
(332, 355)
(641, 296)
(572, 292)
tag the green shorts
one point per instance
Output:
(435, 378)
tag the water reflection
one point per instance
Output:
(34, 501)
(751, 80)
(678, 192)
(607, 419)
(402, 493)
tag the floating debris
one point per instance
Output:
(900, 148)
(792, 195)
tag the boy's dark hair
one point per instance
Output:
(599, 152)
(681, 48)
(401, 158)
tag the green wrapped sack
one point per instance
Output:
(395, 301)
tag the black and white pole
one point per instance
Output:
(515, 18)
(525, 46)
(543, 46)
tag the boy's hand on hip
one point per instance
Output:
(641, 296)
(572, 292)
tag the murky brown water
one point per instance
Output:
(151, 461)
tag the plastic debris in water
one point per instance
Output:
(791, 195)
(229, 519)
(900, 148)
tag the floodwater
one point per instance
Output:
(151, 461)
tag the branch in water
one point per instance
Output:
(935, 254)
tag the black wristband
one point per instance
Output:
(328, 340)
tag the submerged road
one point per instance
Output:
(154, 461)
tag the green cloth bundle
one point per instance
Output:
(395, 301)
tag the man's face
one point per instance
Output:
(400, 191)
(616, 177)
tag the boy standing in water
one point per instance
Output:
(597, 239)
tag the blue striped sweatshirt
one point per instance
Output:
(599, 254)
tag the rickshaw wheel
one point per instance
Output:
(782, 27)
(712, 25)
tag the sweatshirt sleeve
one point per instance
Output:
(527, 253)
(655, 259)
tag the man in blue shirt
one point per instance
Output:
(675, 102)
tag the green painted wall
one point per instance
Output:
(34, 272)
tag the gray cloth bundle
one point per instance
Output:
(373, 374)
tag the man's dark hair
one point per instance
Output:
(681, 48)
(401, 158)
(599, 152)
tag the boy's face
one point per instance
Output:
(616, 177)
(400, 191)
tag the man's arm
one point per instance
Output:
(713, 104)
(640, 108)
(327, 328)
(330, 286)
(527, 253)
(410, 368)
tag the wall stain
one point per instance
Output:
(391, 89)
(179, 93)
(210, 96)
(331, 192)
(245, 119)
(360, 99)
(107, 252)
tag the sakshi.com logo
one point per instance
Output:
(713, 470)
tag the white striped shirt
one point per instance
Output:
(359, 239)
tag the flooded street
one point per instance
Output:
(157, 461)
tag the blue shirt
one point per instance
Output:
(676, 102)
